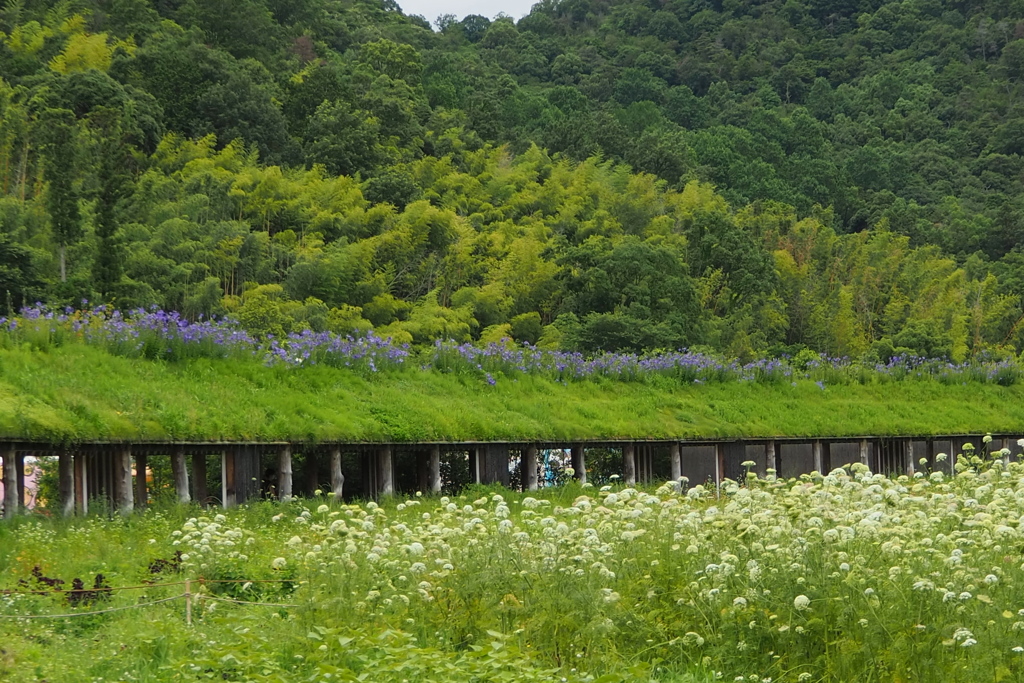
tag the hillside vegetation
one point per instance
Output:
(754, 179)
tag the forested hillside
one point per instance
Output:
(755, 178)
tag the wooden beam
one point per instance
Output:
(10, 482)
(530, 468)
(910, 464)
(434, 469)
(284, 473)
(629, 464)
(66, 482)
(865, 453)
(180, 473)
(199, 484)
(769, 456)
(719, 465)
(337, 476)
(816, 451)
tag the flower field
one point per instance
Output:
(848, 576)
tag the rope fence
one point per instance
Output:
(190, 598)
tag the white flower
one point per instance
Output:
(278, 563)
(801, 602)
(323, 509)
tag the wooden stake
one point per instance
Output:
(188, 602)
(530, 468)
(81, 484)
(579, 463)
(769, 456)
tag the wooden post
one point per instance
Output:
(675, 456)
(19, 465)
(228, 495)
(719, 465)
(141, 490)
(66, 482)
(284, 473)
(180, 474)
(910, 458)
(769, 456)
(629, 464)
(816, 450)
(1006, 447)
(81, 484)
(311, 469)
(865, 453)
(530, 468)
(124, 498)
(475, 470)
(423, 471)
(199, 478)
(10, 482)
(337, 477)
(579, 463)
(387, 480)
(434, 470)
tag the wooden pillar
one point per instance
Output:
(719, 464)
(910, 464)
(816, 450)
(629, 464)
(10, 482)
(311, 470)
(434, 470)
(228, 492)
(865, 453)
(423, 471)
(141, 489)
(81, 484)
(19, 466)
(769, 456)
(124, 493)
(675, 457)
(337, 477)
(1006, 448)
(579, 463)
(387, 479)
(66, 482)
(199, 483)
(475, 469)
(180, 473)
(530, 468)
(284, 473)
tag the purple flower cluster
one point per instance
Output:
(157, 334)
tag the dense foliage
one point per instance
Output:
(600, 176)
(833, 577)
